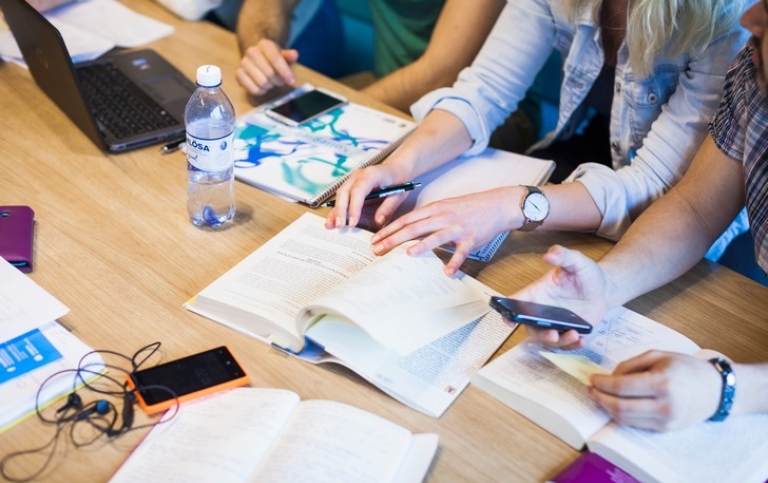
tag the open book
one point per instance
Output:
(307, 163)
(490, 169)
(255, 434)
(528, 382)
(396, 320)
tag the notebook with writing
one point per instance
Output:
(121, 101)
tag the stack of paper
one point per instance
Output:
(34, 347)
(92, 27)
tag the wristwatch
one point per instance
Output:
(535, 208)
(729, 388)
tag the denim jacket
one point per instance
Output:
(657, 122)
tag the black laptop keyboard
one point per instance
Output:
(123, 108)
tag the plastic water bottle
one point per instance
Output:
(210, 122)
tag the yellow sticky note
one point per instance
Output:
(578, 366)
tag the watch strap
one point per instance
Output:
(729, 388)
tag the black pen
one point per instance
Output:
(383, 192)
(172, 146)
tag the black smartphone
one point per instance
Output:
(540, 315)
(304, 107)
(158, 387)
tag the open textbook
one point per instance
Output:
(493, 168)
(34, 347)
(92, 27)
(554, 397)
(308, 162)
(255, 434)
(396, 320)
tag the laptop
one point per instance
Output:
(121, 101)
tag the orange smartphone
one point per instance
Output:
(157, 388)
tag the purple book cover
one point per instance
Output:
(591, 468)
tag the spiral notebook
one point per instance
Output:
(493, 168)
(307, 163)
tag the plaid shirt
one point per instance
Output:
(740, 130)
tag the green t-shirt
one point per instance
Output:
(402, 29)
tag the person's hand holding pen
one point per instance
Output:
(351, 196)
(384, 191)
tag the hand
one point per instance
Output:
(350, 197)
(660, 391)
(466, 221)
(576, 283)
(265, 66)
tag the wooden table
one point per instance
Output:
(114, 244)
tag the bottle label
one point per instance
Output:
(211, 154)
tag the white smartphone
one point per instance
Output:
(305, 107)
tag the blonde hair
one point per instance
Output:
(672, 27)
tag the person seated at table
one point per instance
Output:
(648, 74)
(420, 46)
(664, 391)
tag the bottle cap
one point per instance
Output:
(208, 76)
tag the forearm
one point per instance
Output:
(675, 232)
(439, 138)
(751, 388)
(406, 85)
(460, 31)
(659, 247)
(571, 208)
(260, 19)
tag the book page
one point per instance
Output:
(544, 389)
(735, 450)
(333, 442)
(403, 302)
(222, 437)
(428, 379)
(24, 305)
(262, 294)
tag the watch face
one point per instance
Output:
(536, 207)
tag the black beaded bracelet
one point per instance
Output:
(729, 388)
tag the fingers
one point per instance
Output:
(569, 340)
(410, 226)
(647, 413)
(265, 66)
(640, 363)
(567, 259)
(350, 197)
(460, 254)
(638, 385)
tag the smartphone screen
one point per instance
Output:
(540, 315)
(305, 107)
(188, 377)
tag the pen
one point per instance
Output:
(172, 146)
(384, 191)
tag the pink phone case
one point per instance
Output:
(17, 228)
